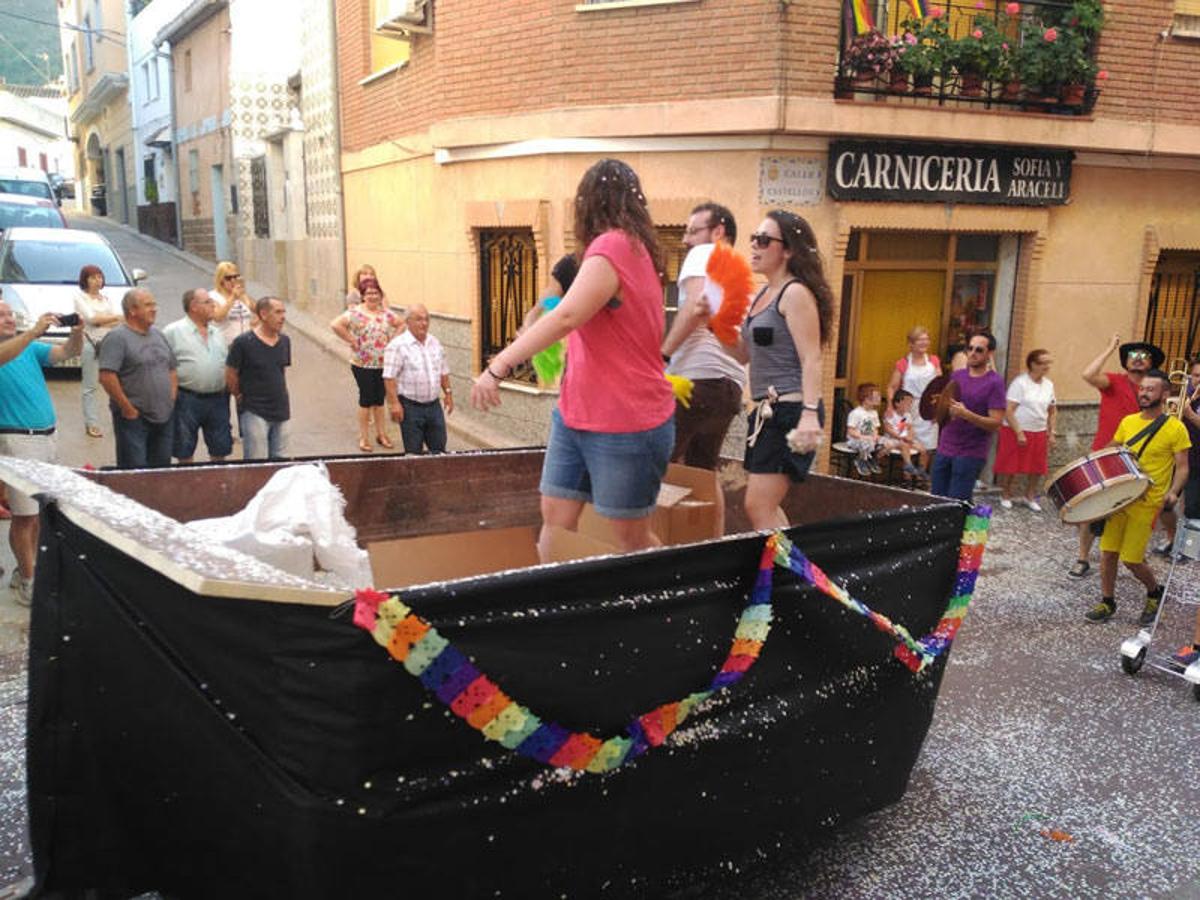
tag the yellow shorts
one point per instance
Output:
(1127, 531)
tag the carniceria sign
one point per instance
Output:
(900, 171)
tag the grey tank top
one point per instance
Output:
(773, 357)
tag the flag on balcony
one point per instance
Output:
(863, 20)
(920, 8)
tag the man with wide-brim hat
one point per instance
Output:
(1157, 357)
(1118, 399)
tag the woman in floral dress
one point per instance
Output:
(367, 328)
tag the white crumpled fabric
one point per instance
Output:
(297, 523)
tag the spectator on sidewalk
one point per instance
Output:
(27, 422)
(202, 402)
(368, 328)
(414, 368)
(137, 371)
(255, 374)
(1027, 435)
(354, 295)
(100, 316)
(231, 311)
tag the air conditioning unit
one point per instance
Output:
(400, 18)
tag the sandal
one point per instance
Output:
(365, 446)
(384, 441)
(94, 431)
(1081, 568)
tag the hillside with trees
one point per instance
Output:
(30, 50)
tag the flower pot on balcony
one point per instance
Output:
(1072, 94)
(970, 84)
(864, 81)
(922, 85)
(1011, 91)
(898, 83)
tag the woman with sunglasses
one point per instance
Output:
(789, 322)
(613, 430)
(233, 313)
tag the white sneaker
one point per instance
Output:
(1006, 503)
(1033, 505)
(22, 589)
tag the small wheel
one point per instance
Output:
(1131, 666)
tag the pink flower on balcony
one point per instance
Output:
(1004, 46)
(936, 13)
(1012, 8)
(979, 4)
(1050, 34)
(1102, 75)
(977, 34)
(910, 38)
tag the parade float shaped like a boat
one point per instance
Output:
(206, 725)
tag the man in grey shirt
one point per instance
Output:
(137, 371)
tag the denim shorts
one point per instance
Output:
(619, 473)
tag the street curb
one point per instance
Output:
(304, 322)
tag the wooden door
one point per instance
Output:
(893, 302)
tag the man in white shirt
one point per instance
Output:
(414, 370)
(202, 402)
(694, 351)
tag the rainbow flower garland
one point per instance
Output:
(474, 697)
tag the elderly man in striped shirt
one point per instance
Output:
(414, 370)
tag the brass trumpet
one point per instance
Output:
(1178, 375)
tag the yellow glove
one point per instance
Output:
(682, 389)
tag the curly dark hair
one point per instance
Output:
(610, 196)
(805, 264)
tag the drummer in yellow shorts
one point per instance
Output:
(1161, 443)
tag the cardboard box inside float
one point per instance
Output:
(685, 512)
(205, 726)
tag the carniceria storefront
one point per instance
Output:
(939, 236)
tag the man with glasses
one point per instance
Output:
(693, 351)
(976, 414)
(1118, 399)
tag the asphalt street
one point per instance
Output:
(1048, 772)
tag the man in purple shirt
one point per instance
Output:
(977, 413)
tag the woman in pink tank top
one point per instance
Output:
(612, 433)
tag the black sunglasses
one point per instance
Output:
(978, 349)
(763, 241)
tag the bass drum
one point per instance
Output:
(1097, 485)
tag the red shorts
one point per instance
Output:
(1013, 459)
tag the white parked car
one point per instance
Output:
(28, 181)
(39, 273)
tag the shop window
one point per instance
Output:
(977, 248)
(670, 242)
(970, 304)
(508, 288)
(1173, 314)
(907, 245)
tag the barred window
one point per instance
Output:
(508, 289)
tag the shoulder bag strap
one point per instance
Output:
(1146, 435)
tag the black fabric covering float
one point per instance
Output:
(228, 748)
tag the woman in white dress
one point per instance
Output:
(913, 372)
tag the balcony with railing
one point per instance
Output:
(1039, 57)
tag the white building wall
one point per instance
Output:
(150, 96)
(37, 125)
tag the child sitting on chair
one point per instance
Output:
(897, 426)
(863, 430)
